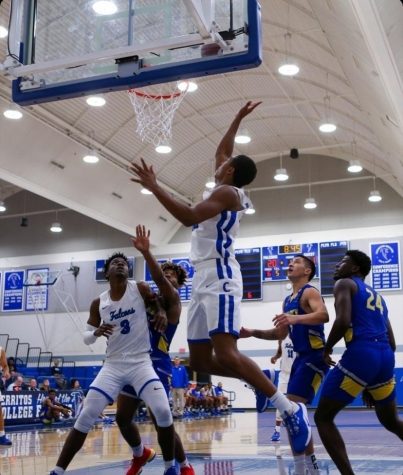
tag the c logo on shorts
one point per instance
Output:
(224, 287)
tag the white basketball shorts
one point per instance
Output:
(216, 298)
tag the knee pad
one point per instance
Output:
(156, 399)
(94, 404)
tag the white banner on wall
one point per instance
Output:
(36, 296)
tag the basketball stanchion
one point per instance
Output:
(155, 110)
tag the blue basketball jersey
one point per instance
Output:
(305, 338)
(160, 343)
(369, 315)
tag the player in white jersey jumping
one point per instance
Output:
(120, 315)
(214, 311)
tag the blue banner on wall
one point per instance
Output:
(99, 269)
(24, 407)
(13, 291)
(385, 258)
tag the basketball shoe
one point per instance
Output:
(5, 441)
(189, 470)
(298, 428)
(276, 436)
(138, 462)
(171, 471)
(262, 401)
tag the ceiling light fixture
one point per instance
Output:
(3, 32)
(288, 67)
(145, 191)
(91, 157)
(96, 101)
(242, 137)
(281, 173)
(56, 227)
(374, 195)
(354, 166)
(163, 148)
(310, 202)
(327, 126)
(104, 7)
(188, 86)
(2, 207)
(210, 183)
(12, 113)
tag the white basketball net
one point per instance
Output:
(155, 112)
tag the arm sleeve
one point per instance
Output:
(88, 335)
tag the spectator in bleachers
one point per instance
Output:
(58, 375)
(5, 374)
(75, 384)
(33, 385)
(17, 385)
(45, 386)
(11, 364)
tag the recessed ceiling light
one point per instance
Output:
(242, 138)
(327, 128)
(96, 101)
(288, 69)
(210, 183)
(163, 149)
(104, 7)
(12, 113)
(146, 192)
(189, 86)
(3, 32)
(2, 207)
(92, 158)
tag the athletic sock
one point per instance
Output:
(185, 463)
(138, 450)
(2, 433)
(168, 464)
(59, 470)
(283, 404)
(312, 464)
(299, 464)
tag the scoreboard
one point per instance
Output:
(250, 262)
(275, 259)
(330, 254)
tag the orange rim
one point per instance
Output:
(154, 96)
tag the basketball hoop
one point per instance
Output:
(155, 112)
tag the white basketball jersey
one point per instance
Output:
(287, 355)
(130, 338)
(214, 238)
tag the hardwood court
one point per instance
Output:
(235, 444)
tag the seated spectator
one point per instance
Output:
(17, 385)
(11, 364)
(45, 386)
(33, 385)
(75, 384)
(58, 375)
(52, 410)
(222, 401)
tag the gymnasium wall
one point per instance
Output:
(59, 331)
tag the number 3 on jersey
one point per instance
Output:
(374, 302)
(125, 327)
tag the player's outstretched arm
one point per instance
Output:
(222, 198)
(272, 334)
(226, 146)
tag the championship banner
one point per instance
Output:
(24, 407)
(13, 291)
(36, 296)
(385, 258)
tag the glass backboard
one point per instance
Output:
(66, 48)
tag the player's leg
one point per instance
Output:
(127, 404)
(3, 439)
(306, 376)
(330, 435)
(389, 418)
(150, 389)
(94, 404)
(282, 387)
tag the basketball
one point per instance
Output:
(210, 49)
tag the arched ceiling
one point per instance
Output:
(349, 50)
